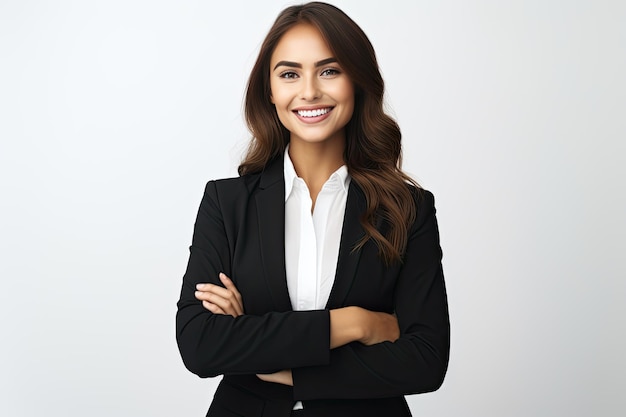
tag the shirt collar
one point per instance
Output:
(290, 173)
(339, 177)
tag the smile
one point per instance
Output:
(313, 113)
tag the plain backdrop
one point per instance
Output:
(114, 114)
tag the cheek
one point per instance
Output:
(279, 99)
(281, 105)
(280, 94)
(347, 97)
(345, 93)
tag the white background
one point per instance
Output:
(114, 114)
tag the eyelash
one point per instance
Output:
(334, 71)
(290, 75)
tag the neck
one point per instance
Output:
(316, 162)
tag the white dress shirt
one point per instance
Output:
(312, 240)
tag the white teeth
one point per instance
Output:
(313, 113)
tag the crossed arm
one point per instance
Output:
(347, 324)
(211, 343)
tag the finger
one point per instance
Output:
(224, 298)
(215, 294)
(230, 285)
(205, 291)
(203, 295)
(229, 305)
(216, 289)
(230, 289)
(267, 377)
(230, 292)
(281, 377)
(213, 308)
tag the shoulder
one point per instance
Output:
(238, 188)
(424, 201)
(229, 189)
(421, 197)
(234, 184)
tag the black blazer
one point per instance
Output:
(240, 231)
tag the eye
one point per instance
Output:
(329, 72)
(288, 75)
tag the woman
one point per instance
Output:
(314, 283)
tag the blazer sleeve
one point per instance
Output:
(212, 344)
(417, 361)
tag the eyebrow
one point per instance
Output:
(298, 65)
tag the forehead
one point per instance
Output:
(302, 43)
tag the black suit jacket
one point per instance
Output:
(240, 231)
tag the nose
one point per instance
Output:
(310, 89)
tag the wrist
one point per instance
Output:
(361, 323)
(359, 329)
(348, 324)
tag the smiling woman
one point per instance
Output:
(314, 98)
(314, 283)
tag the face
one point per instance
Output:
(314, 98)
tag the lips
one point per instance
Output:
(313, 115)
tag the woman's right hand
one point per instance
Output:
(379, 327)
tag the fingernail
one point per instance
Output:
(223, 275)
(199, 286)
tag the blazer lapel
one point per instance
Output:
(348, 260)
(270, 201)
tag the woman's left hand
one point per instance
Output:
(221, 300)
(281, 377)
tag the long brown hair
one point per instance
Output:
(373, 152)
